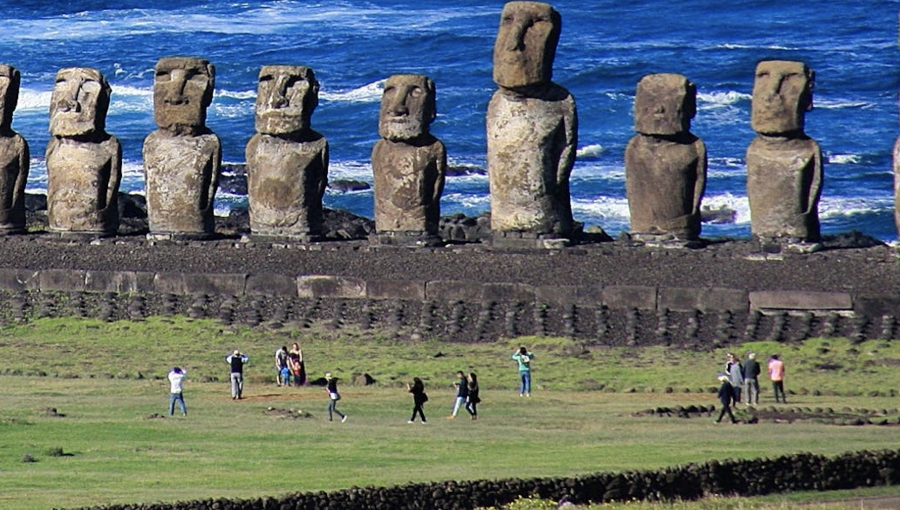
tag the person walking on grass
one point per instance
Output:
(726, 395)
(776, 375)
(417, 388)
(462, 392)
(751, 379)
(523, 356)
(333, 397)
(472, 399)
(237, 362)
(176, 381)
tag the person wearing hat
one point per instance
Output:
(237, 362)
(333, 397)
(726, 394)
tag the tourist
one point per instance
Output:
(333, 397)
(281, 367)
(726, 395)
(735, 371)
(237, 362)
(296, 364)
(524, 357)
(417, 388)
(776, 375)
(751, 379)
(472, 399)
(462, 391)
(176, 380)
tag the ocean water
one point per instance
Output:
(605, 48)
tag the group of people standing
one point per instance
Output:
(741, 378)
(289, 366)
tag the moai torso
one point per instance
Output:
(287, 162)
(409, 163)
(665, 165)
(83, 161)
(14, 156)
(532, 127)
(183, 158)
(784, 166)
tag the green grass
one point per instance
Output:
(112, 451)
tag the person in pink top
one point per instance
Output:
(776, 374)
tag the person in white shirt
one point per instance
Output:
(176, 379)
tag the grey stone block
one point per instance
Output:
(396, 289)
(877, 306)
(800, 300)
(169, 283)
(509, 292)
(630, 296)
(212, 283)
(450, 290)
(715, 299)
(585, 295)
(119, 281)
(18, 279)
(65, 280)
(271, 284)
(314, 286)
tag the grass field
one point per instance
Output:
(108, 447)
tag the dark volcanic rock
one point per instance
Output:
(346, 185)
(461, 228)
(462, 170)
(346, 225)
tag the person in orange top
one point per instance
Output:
(776, 374)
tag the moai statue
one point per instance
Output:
(409, 164)
(183, 157)
(287, 162)
(84, 162)
(665, 165)
(14, 156)
(784, 166)
(532, 131)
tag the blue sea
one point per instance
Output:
(605, 48)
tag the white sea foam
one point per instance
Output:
(467, 201)
(719, 99)
(841, 207)
(844, 159)
(728, 201)
(246, 94)
(33, 99)
(592, 151)
(368, 93)
(836, 104)
(731, 46)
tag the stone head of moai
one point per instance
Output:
(408, 107)
(10, 79)
(182, 91)
(526, 45)
(286, 99)
(664, 105)
(79, 103)
(782, 94)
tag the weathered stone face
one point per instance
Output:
(182, 91)
(526, 44)
(10, 80)
(782, 94)
(664, 105)
(408, 107)
(79, 103)
(286, 99)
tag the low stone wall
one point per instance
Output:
(800, 472)
(455, 310)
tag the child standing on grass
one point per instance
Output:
(726, 396)
(176, 380)
(417, 388)
(333, 397)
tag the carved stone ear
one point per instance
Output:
(810, 89)
(208, 96)
(432, 93)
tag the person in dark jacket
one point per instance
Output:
(333, 397)
(237, 362)
(473, 399)
(726, 394)
(417, 388)
(751, 379)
